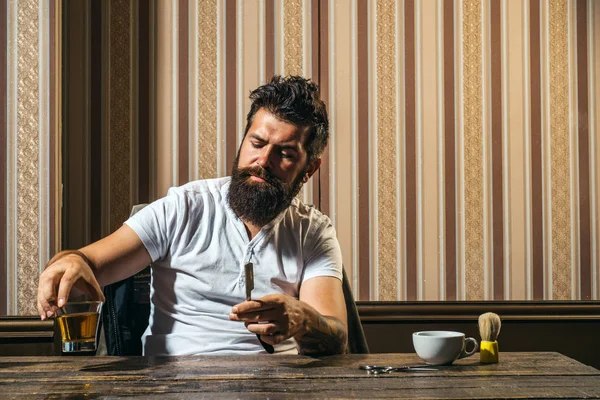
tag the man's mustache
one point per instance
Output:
(260, 173)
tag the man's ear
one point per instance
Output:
(312, 168)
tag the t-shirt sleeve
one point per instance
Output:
(323, 253)
(156, 224)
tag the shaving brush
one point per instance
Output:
(489, 328)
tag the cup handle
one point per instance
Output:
(466, 353)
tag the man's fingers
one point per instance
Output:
(258, 316)
(46, 296)
(252, 306)
(266, 329)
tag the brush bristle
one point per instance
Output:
(489, 326)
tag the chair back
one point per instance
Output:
(357, 342)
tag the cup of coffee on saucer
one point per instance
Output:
(443, 347)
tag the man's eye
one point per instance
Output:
(256, 145)
(287, 155)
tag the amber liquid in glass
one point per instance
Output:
(78, 327)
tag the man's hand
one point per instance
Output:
(277, 317)
(59, 278)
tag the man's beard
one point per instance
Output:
(260, 202)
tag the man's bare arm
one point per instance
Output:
(109, 260)
(326, 329)
(325, 336)
(317, 321)
(117, 256)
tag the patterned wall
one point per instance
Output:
(29, 103)
(464, 162)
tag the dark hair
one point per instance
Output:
(295, 100)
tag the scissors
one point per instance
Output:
(387, 369)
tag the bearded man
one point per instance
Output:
(202, 235)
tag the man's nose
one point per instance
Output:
(264, 158)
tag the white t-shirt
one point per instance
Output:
(199, 248)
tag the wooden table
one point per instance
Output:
(518, 375)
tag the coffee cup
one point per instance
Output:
(442, 347)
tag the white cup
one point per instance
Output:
(442, 347)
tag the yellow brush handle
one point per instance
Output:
(488, 352)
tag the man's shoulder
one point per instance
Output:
(201, 187)
(301, 211)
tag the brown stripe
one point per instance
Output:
(362, 24)
(537, 222)
(323, 81)
(315, 29)
(230, 83)
(96, 94)
(183, 97)
(3, 150)
(270, 39)
(584, 162)
(497, 197)
(411, 166)
(314, 26)
(449, 152)
(143, 104)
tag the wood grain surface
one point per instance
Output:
(518, 375)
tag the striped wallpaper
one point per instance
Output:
(464, 162)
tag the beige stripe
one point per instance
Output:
(11, 150)
(386, 118)
(307, 42)
(486, 159)
(427, 140)
(250, 39)
(473, 169)
(27, 173)
(56, 101)
(294, 55)
(460, 152)
(331, 103)
(373, 161)
(505, 152)
(559, 147)
(341, 156)
(516, 189)
(240, 60)
(206, 26)
(292, 37)
(44, 136)
(546, 170)
(307, 189)
(594, 132)
(401, 156)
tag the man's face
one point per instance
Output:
(270, 168)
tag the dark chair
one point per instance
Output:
(127, 308)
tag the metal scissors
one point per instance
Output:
(387, 369)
